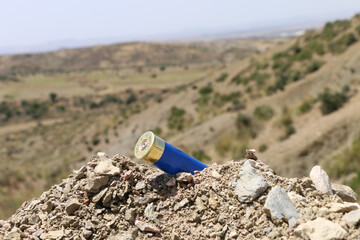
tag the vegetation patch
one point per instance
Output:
(176, 119)
(222, 77)
(264, 112)
(332, 101)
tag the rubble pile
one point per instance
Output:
(120, 200)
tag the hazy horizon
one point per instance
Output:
(40, 25)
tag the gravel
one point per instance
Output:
(124, 200)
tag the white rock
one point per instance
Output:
(342, 207)
(146, 227)
(352, 218)
(320, 229)
(250, 184)
(106, 167)
(215, 174)
(344, 192)
(321, 180)
(278, 205)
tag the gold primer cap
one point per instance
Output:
(149, 147)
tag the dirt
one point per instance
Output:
(119, 199)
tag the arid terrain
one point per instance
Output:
(294, 100)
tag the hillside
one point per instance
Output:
(295, 101)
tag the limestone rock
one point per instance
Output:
(149, 212)
(95, 183)
(250, 184)
(320, 229)
(184, 177)
(181, 204)
(352, 218)
(278, 205)
(343, 207)
(72, 206)
(146, 227)
(344, 192)
(106, 167)
(321, 180)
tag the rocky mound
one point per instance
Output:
(119, 199)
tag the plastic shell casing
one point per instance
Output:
(168, 158)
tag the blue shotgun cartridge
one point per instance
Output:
(168, 158)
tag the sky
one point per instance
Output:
(40, 22)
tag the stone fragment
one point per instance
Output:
(184, 177)
(127, 174)
(321, 180)
(95, 183)
(53, 235)
(140, 185)
(250, 184)
(216, 175)
(87, 233)
(200, 204)
(47, 206)
(146, 227)
(107, 198)
(320, 229)
(149, 212)
(213, 203)
(98, 196)
(233, 234)
(278, 205)
(352, 218)
(106, 167)
(174, 236)
(130, 215)
(181, 204)
(171, 182)
(342, 207)
(344, 192)
(72, 205)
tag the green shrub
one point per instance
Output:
(314, 66)
(95, 141)
(331, 101)
(162, 68)
(35, 109)
(176, 119)
(357, 29)
(111, 99)
(263, 147)
(222, 77)
(206, 90)
(132, 98)
(317, 47)
(157, 131)
(237, 79)
(201, 155)
(286, 122)
(53, 97)
(264, 112)
(341, 44)
(5, 110)
(305, 106)
(61, 108)
(243, 121)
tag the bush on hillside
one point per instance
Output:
(314, 66)
(5, 112)
(34, 109)
(206, 90)
(331, 101)
(264, 112)
(243, 121)
(222, 77)
(176, 119)
(305, 106)
(341, 44)
(53, 97)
